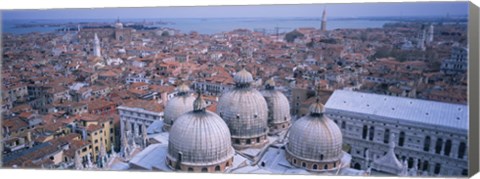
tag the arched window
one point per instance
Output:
(295, 161)
(448, 147)
(401, 139)
(364, 132)
(217, 168)
(357, 166)
(304, 164)
(461, 150)
(386, 136)
(325, 166)
(371, 132)
(438, 146)
(190, 169)
(437, 168)
(426, 144)
(344, 125)
(321, 156)
(410, 162)
(425, 165)
(204, 169)
(315, 166)
(419, 164)
(249, 141)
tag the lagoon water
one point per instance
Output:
(206, 25)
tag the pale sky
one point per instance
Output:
(422, 9)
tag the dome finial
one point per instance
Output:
(183, 88)
(199, 104)
(316, 108)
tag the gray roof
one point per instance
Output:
(152, 157)
(407, 109)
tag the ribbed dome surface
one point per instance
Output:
(243, 77)
(202, 137)
(278, 106)
(245, 112)
(177, 106)
(315, 138)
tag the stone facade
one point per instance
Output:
(437, 150)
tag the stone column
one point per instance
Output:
(135, 128)
(454, 150)
(433, 144)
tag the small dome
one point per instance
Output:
(315, 138)
(177, 106)
(200, 139)
(243, 77)
(316, 108)
(278, 109)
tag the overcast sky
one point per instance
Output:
(313, 10)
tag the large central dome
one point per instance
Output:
(177, 106)
(315, 141)
(199, 141)
(245, 111)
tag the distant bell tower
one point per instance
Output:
(430, 34)
(96, 48)
(324, 20)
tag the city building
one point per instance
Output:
(458, 61)
(135, 113)
(431, 135)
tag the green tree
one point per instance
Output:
(165, 34)
(291, 36)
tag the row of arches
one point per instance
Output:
(313, 166)
(217, 168)
(369, 132)
(446, 146)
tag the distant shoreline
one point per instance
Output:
(216, 25)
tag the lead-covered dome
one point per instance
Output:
(178, 105)
(315, 141)
(243, 77)
(245, 111)
(278, 108)
(199, 141)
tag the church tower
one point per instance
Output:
(430, 34)
(96, 48)
(324, 20)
